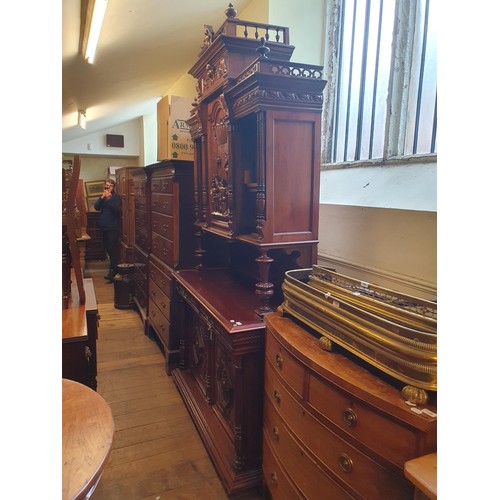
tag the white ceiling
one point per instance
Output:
(145, 46)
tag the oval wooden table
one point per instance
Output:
(87, 436)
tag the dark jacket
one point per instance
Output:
(109, 218)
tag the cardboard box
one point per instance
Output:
(174, 139)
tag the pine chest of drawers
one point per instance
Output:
(333, 429)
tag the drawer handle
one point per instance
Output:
(88, 354)
(274, 477)
(279, 361)
(350, 417)
(165, 227)
(345, 462)
(276, 433)
(277, 396)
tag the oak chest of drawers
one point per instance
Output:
(333, 429)
(141, 241)
(172, 246)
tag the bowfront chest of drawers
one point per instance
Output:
(333, 429)
(172, 245)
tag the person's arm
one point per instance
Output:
(115, 203)
(99, 204)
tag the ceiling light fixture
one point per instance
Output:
(92, 28)
(82, 118)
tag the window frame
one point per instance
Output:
(398, 97)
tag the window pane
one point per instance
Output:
(364, 66)
(422, 114)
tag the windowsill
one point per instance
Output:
(394, 161)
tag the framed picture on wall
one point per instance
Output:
(90, 202)
(94, 188)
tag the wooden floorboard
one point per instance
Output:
(157, 452)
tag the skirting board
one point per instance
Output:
(404, 284)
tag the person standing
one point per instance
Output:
(109, 205)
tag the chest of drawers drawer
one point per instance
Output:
(350, 467)
(161, 275)
(279, 484)
(286, 365)
(163, 249)
(161, 183)
(140, 203)
(141, 220)
(163, 225)
(363, 423)
(160, 323)
(162, 203)
(160, 299)
(312, 481)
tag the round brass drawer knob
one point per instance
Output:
(276, 433)
(350, 417)
(277, 396)
(345, 462)
(279, 361)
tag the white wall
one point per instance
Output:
(390, 247)
(96, 143)
(408, 187)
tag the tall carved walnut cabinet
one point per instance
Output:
(256, 130)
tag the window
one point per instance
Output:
(381, 96)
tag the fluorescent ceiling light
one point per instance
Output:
(92, 29)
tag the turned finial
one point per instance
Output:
(230, 11)
(262, 49)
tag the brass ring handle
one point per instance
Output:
(274, 477)
(276, 433)
(277, 396)
(350, 417)
(345, 462)
(279, 361)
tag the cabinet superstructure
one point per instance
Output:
(256, 130)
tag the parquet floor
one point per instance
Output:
(157, 452)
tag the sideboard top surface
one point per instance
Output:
(230, 303)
